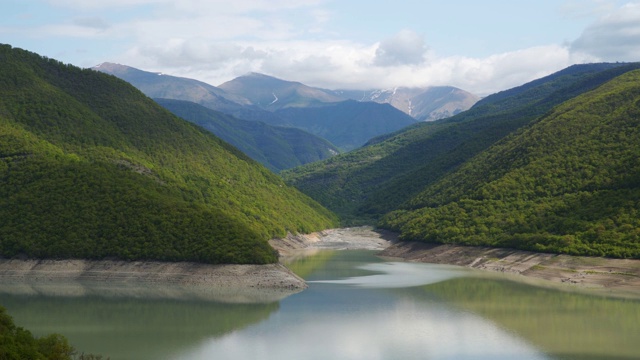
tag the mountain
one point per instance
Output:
(390, 170)
(424, 104)
(92, 168)
(162, 86)
(347, 124)
(276, 147)
(271, 94)
(568, 182)
(158, 85)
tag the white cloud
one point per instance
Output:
(216, 40)
(615, 37)
(405, 48)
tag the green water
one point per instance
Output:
(357, 307)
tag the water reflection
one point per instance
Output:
(564, 324)
(357, 307)
(133, 328)
(393, 275)
(340, 322)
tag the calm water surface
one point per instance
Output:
(357, 307)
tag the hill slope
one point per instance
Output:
(271, 93)
(378, 178)
(92, 168)
(276, 147)
(347, 124)
(568, 183)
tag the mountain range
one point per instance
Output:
(276, 102)
(90, 167)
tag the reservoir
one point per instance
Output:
(357, 306)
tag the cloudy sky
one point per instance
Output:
(480, 46)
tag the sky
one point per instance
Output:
(482, 46)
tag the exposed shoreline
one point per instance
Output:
(618, 277)
(228, 283)
(273, 282)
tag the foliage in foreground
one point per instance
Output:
(17, 343)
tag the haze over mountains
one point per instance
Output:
(259, 97)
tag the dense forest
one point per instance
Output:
(92, 168)
(567, 183)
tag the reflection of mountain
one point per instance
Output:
(133, 328)
(565, 325)
(306, 262)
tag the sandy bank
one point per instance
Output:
(361, 238)
(233, 283)
(613, 276)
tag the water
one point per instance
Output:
(357, 307)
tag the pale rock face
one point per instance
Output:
(425, 104)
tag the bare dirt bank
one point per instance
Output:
(614, 276)
(234, 283)
(363, 237)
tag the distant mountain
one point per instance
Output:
(162, 86)
(392, 169)
(158, 85)
(92, 168)
(567, 183)
(276, 147)
(347, 124)
(259, 97)
(424, 104)
(272, 94)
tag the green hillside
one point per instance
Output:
(346, 124)
(369, 182)
(567, 183)
(275, 147)
(92, 168)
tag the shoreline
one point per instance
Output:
(273, 282)
(184, 280)
(595, 275)
(617, 277)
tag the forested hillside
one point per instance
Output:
(569, 182)
(275, 147)
(347, 124)
(367, 183)
(92, 168)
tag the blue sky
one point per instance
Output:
(480, 46)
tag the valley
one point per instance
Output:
(195, 180)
